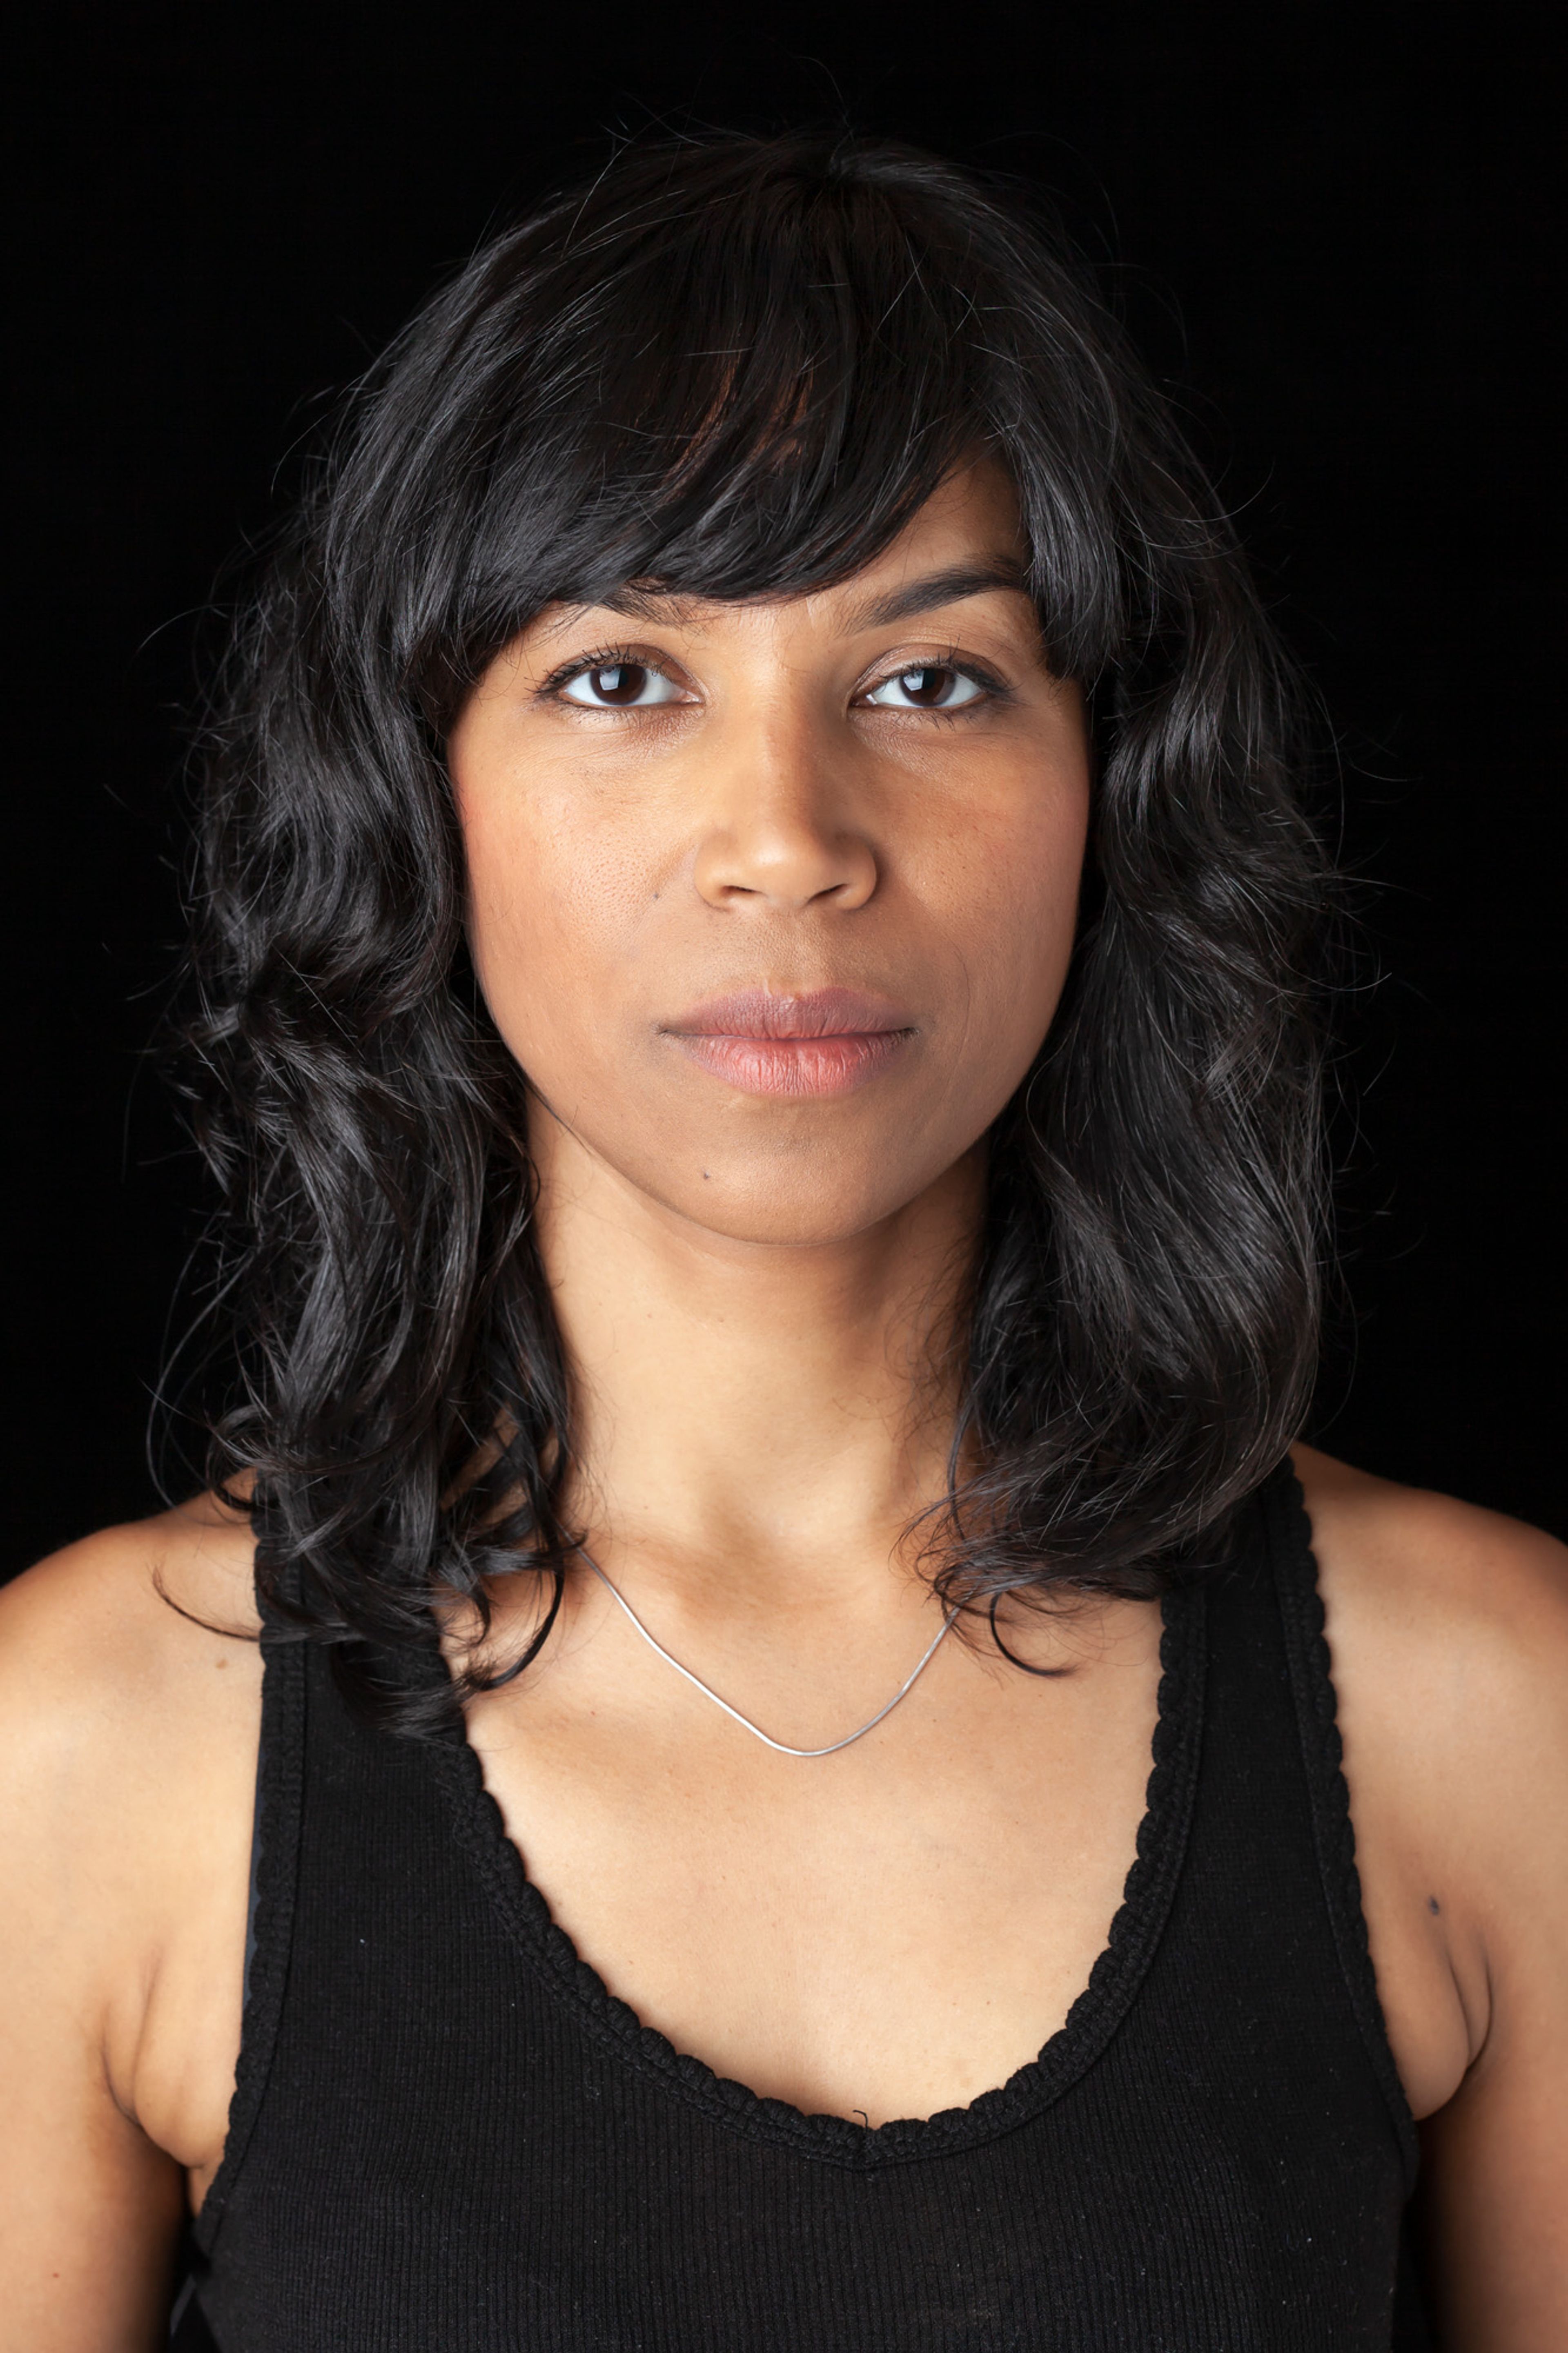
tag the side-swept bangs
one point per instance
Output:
(738, 382)
(736, 370)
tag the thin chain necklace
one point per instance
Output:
(781, 1746)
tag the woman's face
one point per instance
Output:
(774, 901)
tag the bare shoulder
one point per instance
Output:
(199, 1555)
(124, 1627)
(130, 1700)
(1448, 1627)
(1448, 1632)
(1473, 1604)
(128, 1741)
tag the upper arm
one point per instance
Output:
(1496, 2156)
(92, 2207)
(1449, 1632)
(93, 1754)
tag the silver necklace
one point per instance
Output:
(781, 1746)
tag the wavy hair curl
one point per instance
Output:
(738, 367)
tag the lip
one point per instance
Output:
(824, 1041)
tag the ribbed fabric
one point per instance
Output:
(448, 2137)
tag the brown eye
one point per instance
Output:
(926, 686)
(619, 682)
(619, 686)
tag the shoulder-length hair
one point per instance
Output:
(737, 368)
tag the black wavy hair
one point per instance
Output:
(736, 368)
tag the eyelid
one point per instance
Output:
(605, 657)
(650, 657)
(967, 666)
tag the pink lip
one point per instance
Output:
(827, 1042)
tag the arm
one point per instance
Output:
(1449, 1634)
(112, 1856)
(1496, 2156)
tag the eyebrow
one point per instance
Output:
(933, 588)
(948, 587)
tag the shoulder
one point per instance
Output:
(1448, 1627)
(120, 1658)
(116, 1629)
(1471, 1605)
(130, 1702)
(128, 1738)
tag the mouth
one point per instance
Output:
(827, 1042)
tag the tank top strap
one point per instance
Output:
(1275, 1716)
(280, 1774)
(1289, 1536)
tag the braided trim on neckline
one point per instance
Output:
(1113, 1983)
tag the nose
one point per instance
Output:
(779, 836)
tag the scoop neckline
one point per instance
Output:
(1113, 1982)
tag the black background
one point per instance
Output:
(1328, 229)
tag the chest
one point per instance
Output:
(883, 1933)
(1204, 2155)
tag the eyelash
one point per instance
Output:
(607, 657)
(603, 658)
(995, 690)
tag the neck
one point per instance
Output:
(753, 1421)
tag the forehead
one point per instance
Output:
(965, 540)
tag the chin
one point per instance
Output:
(799, 1209)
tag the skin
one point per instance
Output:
(890, 1930)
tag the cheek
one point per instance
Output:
(1005, 891)
(549, 906)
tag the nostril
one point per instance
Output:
(785, 869)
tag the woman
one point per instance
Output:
(753, 961)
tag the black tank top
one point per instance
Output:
(447, 2137)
